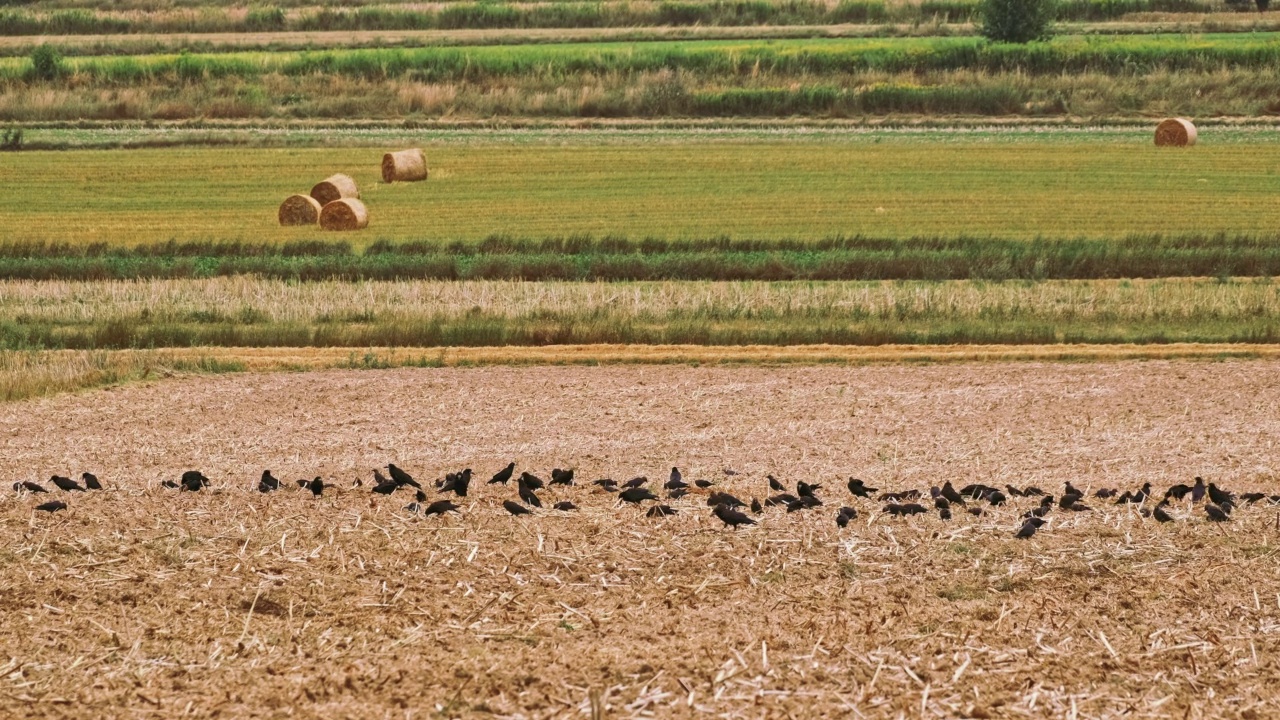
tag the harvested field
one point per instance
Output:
(150, 602)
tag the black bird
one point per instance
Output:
(440, 507)
(565, 505)
(803, 502)
(804, 489)
(1220, 496)
(1028, 528)
(385, 488)
(935, 492)
(635, 482)
(1125, 498)
(860, 489)
(1074, 504)
(606, 484)
(677, 493)
(845, 515)
(30, 487)
(995, 497)
(941, 503)
(905, 509)
(1215, 513)
(730, 472)
(316, 486)
(462, 482)
(531, 481)
(66, 483)
(401, 477)
(704, 484)
(1197, 490)
(776, 486)
(193, 480)
(635, 495)
(1252, 498)
(52, 506)
(420, 496)
(729, 516)
(380, 479)
(783, 499)
(503, 475)
(950, 494)
(1066, 501)
(516, 508)
(755, 506)
(1142, 495)
(900, 496)
(1178, 492)
(169, 484)
(1013, 491)
(447, 484)
(562, 477)
(1032, 491)
(977, 511)
(675, 483)
(268, 483)
(723, 498)
(975, 491)
(1160, 515)
(1070, 489)
(527, 494)
(91, 481)
(660, 511)
(676, 477)
(1042, 510)
(1106, 493)
(944, 513)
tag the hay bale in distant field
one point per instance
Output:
(335, 187)
(1175, 132)
(299, 210)
(344, 214)
(404, 166)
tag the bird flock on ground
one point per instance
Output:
(732, 511)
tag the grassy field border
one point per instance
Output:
(31, 374)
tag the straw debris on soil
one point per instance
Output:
(150, 602)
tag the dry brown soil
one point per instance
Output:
(145, 602)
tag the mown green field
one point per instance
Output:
(681, 190)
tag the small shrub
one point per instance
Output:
(264, 18)
(46, 63)
(1016, 21)
(11, 140)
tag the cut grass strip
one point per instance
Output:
(27, 374)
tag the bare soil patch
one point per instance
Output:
(145, 602)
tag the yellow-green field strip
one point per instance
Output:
(744, 189)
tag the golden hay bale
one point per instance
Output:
(1175, 132)
(299, 210)
(335, 187)
(404, 166)
(344, 214)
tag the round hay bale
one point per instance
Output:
(1175, 132)
(404, 166)
(299, 210)
(344, 214)
(335, 187)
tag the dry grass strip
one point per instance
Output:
(149, 603)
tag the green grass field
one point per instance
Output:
(758, 190)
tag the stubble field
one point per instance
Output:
(141, 602)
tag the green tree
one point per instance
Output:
(1016, 21)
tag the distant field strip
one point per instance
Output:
(752, 191)
(469, 15)
(266, 313)
(33, 373)
(737, 57)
